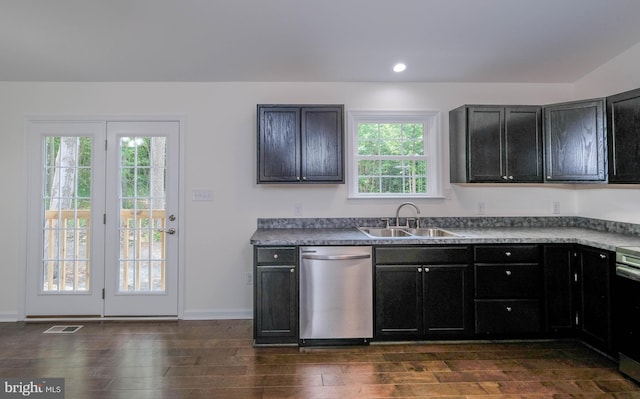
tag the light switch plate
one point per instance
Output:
(202, 194)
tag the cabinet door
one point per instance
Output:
(623, 125)
(575, 141)
(398, 302)
(447, 301)
(278, 144)
(559, 290)
(322, 144)
(276, 304)
(595, 320)
(523, 144)
(485, 138)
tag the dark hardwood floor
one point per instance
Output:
(215, 359)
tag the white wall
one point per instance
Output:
(623, 202)
(220, 155)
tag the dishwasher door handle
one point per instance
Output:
(336, 257)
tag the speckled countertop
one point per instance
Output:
(561, 230)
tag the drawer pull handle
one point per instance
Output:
(275, 256)
(508, 308)
(508, 272)
(507, 253)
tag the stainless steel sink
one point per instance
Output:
(385, 232)
(399, 232)
(431, 232)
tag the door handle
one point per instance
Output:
(170, 231)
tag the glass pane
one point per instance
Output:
(367, 139)
(142, 214)
(66, 203)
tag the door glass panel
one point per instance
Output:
(66, 203)
(142, 214)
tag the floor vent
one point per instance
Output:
(62, 329)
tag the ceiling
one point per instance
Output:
(537, 41)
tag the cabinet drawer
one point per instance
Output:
(422, 255)
(508, 316)
(280, 255)
(508, 281)
(507, 254)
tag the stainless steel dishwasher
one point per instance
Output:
(336, 295)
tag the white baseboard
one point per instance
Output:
(205, 314)
(8, 317)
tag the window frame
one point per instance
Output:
(431, 120)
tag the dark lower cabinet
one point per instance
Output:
(595, 268)
(422, 300)
(508, 288)
(560, 288)
(507, 316)
(276, 295)
(578, 291)
(399, 299)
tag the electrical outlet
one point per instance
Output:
(481, 208)
(249, 278)
(555, 207)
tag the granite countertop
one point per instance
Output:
(321, 235)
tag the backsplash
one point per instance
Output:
(456, 222)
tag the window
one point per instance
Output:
(394, 154)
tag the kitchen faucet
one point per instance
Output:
(398, 214)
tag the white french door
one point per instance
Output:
(103, 219)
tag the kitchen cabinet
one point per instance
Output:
(496, 144)
(595, 271)
(508, 285)
(422, 292)
(275, 295)
(560, 289)
(575, 142)
(300, 144)
(623, 137)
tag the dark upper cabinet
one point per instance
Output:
(490, 144)
(300, 144)
(623, 137)
(575, 142)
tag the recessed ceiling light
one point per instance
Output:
(399, 67)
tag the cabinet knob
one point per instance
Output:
(419, 270)
(603, 256)
(298, 178)
(292, 270)
(508, 308)
(510, 177)
(426, 270)
(508, 253)
(504, 177)
(275, 256)
(508, 272)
